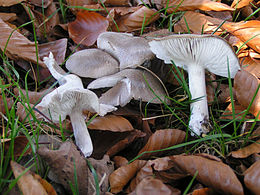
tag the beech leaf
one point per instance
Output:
(247, 151)
(6, 3)
(162, 139)
(205, 5)
(211, 173)
(20, 142)
(18, 45)
(251, 179)
(86, 28)
(246, 82)
(112, 123)
(120, 177)
(31, 183)
(237, 4)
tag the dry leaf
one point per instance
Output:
(120, 177)
(62, 163)
(33, 96)
(237, 4)
(80, 2)
(239, 112)
(112, 123)
(20, 142)
(6, 3)
(203, 191)
(9, 102)
(247, 151)
(214, 174)
(205, 5)
(120, 161)
(198, 22)
(150, 185)
(248, 32)
(137, 20)
(58, 48)
(8, 17)
(251, 179)
(251, 65)
(117, 2)
(41, 3)
(86, 28)
(18, 45)
(162, 139)
(246, 82)
(31, 183)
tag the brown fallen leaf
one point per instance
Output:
(58, 48)
(150, 186)
(33, 96)
(205, 5)
(247, 151)
(162, 139)
(8, 17)
(112, 123)
(248, 32)
(246, 82)
(41, 3)
(61, 163)
(117, 2)
(198, 22)
(19, 145)
(237, 4)
(80, 2)
(86, 28)
(135, 21)
(120, 161)
(120, 177)
(9, 102)
(18, 45)
(239, 112)
(211, 173)
(251, 65)
(251, 179)
(5, 3)
(31, 183)
(204, 191)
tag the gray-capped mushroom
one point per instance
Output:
(195, 53)
(71, 99)
(130, 84)
(92, 63)
(130, 51)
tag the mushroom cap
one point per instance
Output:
(92, 63)
(57, 105)
(211, 52)
(128, 84)
(130, 51)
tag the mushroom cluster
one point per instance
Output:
(114, 65)
(70, 99)
(195, 54)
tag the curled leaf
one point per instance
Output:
(5, 3)
(86, 28)
(162, 139)
(251, 179)
(246, 82)
(214, 174)
(237, 4)
(247, 151)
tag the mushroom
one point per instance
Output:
(195, 53)
(128, 84)
(130, 51)
(92, 63)
(71, 99)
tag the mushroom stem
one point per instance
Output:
(81, 134)
(199, 118)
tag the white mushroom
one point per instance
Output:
(195, 53)
(130, 84)
(92, 63)
(71, 99)
(130, 51)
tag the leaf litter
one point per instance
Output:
(33, 29)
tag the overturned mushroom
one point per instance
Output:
(71, 99)
(92, 63)
(128, 84)
(195, 53)
(130, 51)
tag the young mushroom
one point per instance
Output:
(71, 99)
(195, 53)
(130, 84)
(92, 63)
(130, 51)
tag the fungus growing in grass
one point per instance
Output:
(130, 51)
(92, 63)
(71, 99)
(195, 53)
(130, 84)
